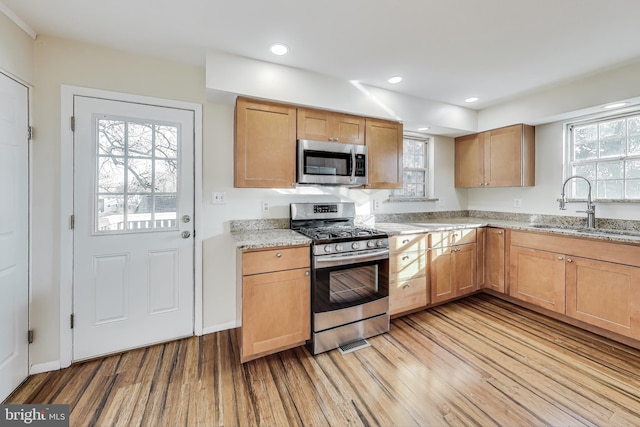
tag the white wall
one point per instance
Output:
(16, 51)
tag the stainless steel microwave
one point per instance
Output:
(331, 163)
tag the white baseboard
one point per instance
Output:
(221, 327)
(39, 368)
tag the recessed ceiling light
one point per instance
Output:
(279, 49)
(424, 128)
(618, 105)
(472, 99)
(395, 80)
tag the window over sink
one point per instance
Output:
(606, 151)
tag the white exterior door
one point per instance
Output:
(133, 281)
(14, 235)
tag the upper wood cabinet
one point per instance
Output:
(322, 125)
(502, 157)
(265, 144)
(384, 142)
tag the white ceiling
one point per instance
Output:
(446, 50)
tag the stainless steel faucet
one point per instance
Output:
(591, 208)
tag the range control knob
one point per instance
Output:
(380, 243)
(355, 245)
(371, 243)
(328, 249)
(339, 247)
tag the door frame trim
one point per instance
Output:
(67, 94)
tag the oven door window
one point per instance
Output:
(350, 285)
(353, 284)
(325, 163)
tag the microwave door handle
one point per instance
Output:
(353, 165)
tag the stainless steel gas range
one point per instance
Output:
(349, 275)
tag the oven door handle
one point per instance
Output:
(326, 261)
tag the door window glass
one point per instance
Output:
(137, 175)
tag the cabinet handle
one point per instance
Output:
(336, 139)
(406, 286)
(481, 184)
(486, 183)
(569, 260)
(279, 255)
(560, 258)
(500, 232)
(405, 257)
(306, 273)
(405, 241)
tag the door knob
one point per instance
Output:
(186, 234)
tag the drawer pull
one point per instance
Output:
(500, 232)
(306, 273)
(406, 257)
(406, 286)
(569, 260)
(279, 255)
(560, 258)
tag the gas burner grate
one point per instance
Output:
(353, 346)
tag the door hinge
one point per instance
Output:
(72, 221)
(30, 336)
(30, 133)
(73, 124)
(71, 319)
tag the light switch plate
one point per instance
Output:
(517, 203)
(219, 197)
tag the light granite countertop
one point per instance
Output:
(270, 238)
(274, 233)
(426, 226)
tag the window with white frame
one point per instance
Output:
(415, 177)
(606, 151)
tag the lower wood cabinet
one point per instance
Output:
(604, 294)
(276, 300)
(493, 260)
(407, 273)
(537, 277)
(452, 269)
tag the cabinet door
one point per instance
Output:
(405, 295)
(440, 269)
(384, 142)
(503, 157)
(604, 294)
(314, 124)
(275, 311)
(348, 129)
(322, 125)
(469, 161)
(494, 259)
(464, 269)
(265, 144)
(538, 277)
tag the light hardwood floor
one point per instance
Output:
(478, 361)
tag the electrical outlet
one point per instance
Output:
(265, 206)
(376, 205)
(219, 197)
(517, 203)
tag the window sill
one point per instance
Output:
(603, 200)
(411, 199)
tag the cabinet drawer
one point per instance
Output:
(275, 260)
(407, 265)
(407, 295)
(441, 239)
(410, 242)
